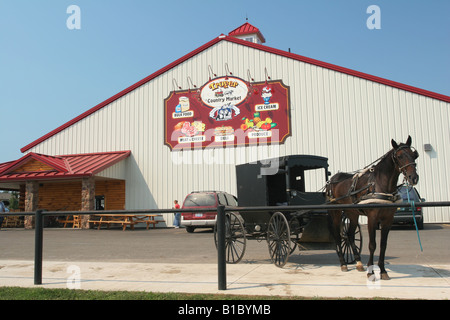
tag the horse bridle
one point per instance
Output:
(396, 161)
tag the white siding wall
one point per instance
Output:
(347, 119)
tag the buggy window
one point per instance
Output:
(200, 200)
(314, 180)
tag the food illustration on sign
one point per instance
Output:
(266, 94)
(183, 105)
(224, 134)
(190, 129)
(257, 124)
(182, 109)
(223, 131)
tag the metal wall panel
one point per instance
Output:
(347, 119)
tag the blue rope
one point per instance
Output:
(413, 207)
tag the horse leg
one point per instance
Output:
(371, 226)
(334, 219)
(359, 265)
(385, 228)
(351, 237)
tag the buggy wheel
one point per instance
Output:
(347, 250)
(279, 239)
(296, 231)
(235, 240)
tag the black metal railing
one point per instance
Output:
(221, 232)
(221, 211)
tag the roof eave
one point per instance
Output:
(33, 178)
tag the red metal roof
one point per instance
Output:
(247, 28)
(264, 48)
(62, 167)
(56, 163)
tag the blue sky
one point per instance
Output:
(50, 74)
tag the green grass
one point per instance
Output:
(16, 293)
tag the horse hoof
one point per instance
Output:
(344, 268)
(384, 276)
(360, 267)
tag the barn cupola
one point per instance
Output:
(249, 33)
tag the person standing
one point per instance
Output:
(176, 222)
(2, 210)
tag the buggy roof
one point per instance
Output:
(303, 160)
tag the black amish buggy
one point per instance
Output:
(279, 183)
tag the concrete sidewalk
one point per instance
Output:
(407, 281)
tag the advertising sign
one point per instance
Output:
(227, 111)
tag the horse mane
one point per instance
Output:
(381, 161)
(342, 176)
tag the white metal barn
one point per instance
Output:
(344, 115)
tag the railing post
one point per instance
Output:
(221, 262)
(38, 243)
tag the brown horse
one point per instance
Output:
(376, 184)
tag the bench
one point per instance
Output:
(74, 220)
(107, 223)
(12, 222)
(126, 220)
(148, 219)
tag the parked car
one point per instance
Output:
(204, 200)
(405, 215)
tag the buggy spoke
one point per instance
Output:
(235, 240)
(278, 239)
(346, 242)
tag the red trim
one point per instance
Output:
(248, 44)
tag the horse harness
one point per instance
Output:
(370, 196)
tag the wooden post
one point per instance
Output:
(87, 199)
(31, 202)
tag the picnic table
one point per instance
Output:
(75, 220)
(126, 219)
